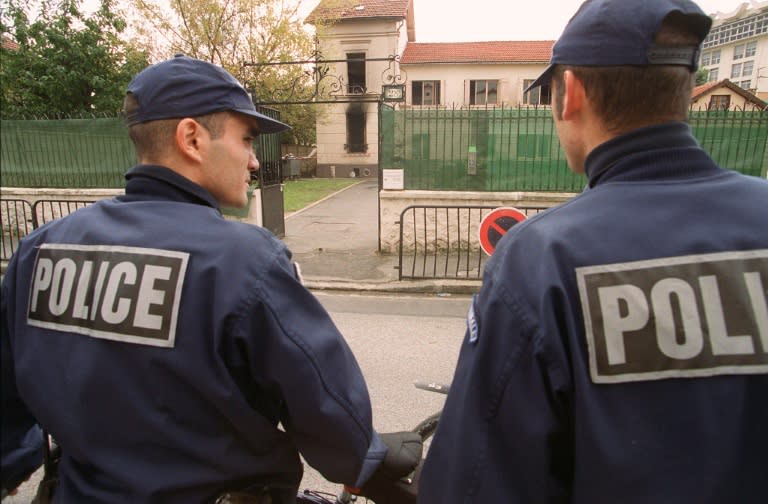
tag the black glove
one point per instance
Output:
(403, 455)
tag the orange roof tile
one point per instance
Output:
(9, 43)
(534, 51)
(699, 90)
(358, 9)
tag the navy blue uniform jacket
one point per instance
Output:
(618, 349)
(173, 354)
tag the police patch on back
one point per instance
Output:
(689, 316)
(125, 294)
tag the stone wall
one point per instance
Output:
(17, 220)
(350, 170)
(392, 204)
(252, 216)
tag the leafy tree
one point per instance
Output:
(66, 63)
(702, 76)
(248, 38)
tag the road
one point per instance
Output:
(398, 340)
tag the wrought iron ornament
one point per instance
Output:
(326, 86)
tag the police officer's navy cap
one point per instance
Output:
(622, 32)
(188, 87)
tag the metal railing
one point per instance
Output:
(475, 149)
(518, 149)
(83, 152)
(356, 147)
(47, 210)
(443, 242)
(17, 219)
(439, 148)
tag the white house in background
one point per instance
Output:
(467, 74)
(737, 48)
(724, 95)
(366, 34)
(475, 74)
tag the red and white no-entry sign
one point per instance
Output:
(496, 224)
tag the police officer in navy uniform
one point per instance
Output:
(618, 349)
(174, 355)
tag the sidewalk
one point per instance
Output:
(335, 242)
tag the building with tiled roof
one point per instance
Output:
(737, 48)
(724, 95)
(362, 39)
(359, 9)
(475, 73)
(509, 52)
(371, 44)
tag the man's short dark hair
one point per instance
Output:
(151, 138)
(627, 97)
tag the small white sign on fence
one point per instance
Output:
(393, 179)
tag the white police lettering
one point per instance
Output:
(126, 294)
(687, 316)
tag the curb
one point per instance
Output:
(412, 287)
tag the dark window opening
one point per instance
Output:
(425, 92)
(356, 73)
(719, 102)
(483, 92)
(541, 95)
(356, 131)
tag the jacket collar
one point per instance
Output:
(667, 149)
(155, 182)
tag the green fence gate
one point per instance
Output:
(517, 149)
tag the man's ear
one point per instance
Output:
(191, 139)
(574, 96)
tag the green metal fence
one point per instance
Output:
(517, 149)
(735, 139)
(81, 153)
(85, 153)
(459, 149)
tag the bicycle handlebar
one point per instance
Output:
(440, 388)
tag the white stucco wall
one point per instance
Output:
(453, 77)
(392, 204)
(736, 100)
(375, 39)
(758, 77)
(749, 13)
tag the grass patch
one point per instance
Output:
(298, 194)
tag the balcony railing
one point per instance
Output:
(356, 147)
